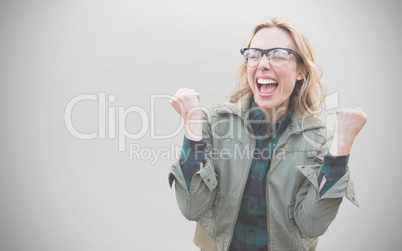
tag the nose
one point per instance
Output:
(264, 63)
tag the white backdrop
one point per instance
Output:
(59, 192)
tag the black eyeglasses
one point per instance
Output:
(276, 56)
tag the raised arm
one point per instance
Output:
(314, 213)
(194, 201)
(348, 124)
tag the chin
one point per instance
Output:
(273, 106)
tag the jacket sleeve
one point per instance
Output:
(192, 154)
(313, 214)
(333, 168)
(195, 202)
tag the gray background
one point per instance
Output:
(58, 192)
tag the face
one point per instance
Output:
(272, 97)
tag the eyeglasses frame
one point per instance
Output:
(265, 52)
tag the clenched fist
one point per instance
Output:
(186, 102)
(348, 123)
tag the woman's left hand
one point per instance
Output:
(348, 123)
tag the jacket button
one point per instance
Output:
(208, 180)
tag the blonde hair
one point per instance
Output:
(309, 94)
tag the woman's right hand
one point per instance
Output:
(186, 102)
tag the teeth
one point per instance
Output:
(266, 81)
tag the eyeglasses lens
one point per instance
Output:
(276, 57)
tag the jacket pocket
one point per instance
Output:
(208, 221)
(297, 243)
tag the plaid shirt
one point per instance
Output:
(251, 226)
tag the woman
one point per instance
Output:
(261, 172)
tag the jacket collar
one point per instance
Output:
(260, 124)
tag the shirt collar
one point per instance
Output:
(259, 123)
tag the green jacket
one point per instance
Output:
(296, 215)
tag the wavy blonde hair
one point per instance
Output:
(309, 94)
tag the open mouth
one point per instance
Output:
(266, 87)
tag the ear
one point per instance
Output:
(301, 73)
